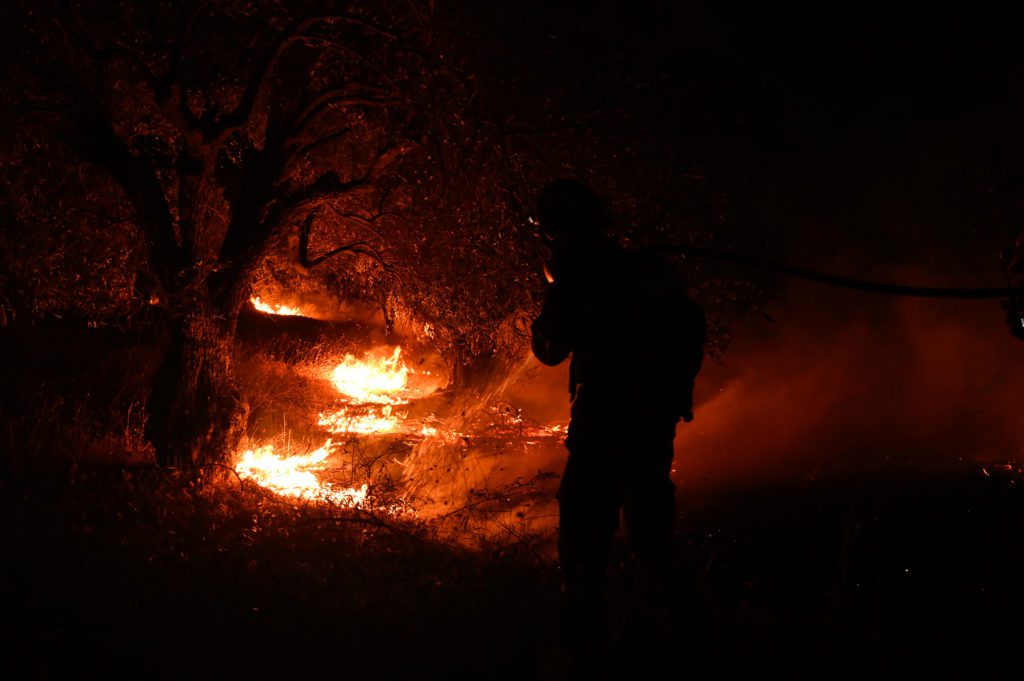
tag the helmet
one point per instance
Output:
(570, 213)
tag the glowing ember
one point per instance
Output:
(380, 381)
(294, 476)
(274, 309)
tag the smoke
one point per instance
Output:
(843, 382)
(839, 383)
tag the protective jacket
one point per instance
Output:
(635, 337)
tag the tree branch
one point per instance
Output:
(316, 144)
(172, 85)
(97, 142)
(331, 42)
(237, 118)
(367, 223)
(327, 186)
(347, 96)
(358, 248)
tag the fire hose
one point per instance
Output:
(1013, 295)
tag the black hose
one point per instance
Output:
(835, 280)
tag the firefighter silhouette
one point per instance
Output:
(636, 342)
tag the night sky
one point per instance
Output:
(853, 132)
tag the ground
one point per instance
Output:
(114, 571)
(114, 567)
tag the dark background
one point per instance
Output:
(878, 142)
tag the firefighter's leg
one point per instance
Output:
(650, 508)
(650, 519)
(588, 518)
(673, 608)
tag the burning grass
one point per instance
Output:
(344, 399)
(341, 426)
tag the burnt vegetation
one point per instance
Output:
(162, 162)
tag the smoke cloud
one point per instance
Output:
(839, 383)
(843, 382)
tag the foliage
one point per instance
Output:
(220, 131)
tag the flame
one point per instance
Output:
(371, 389)
(294, 476)
(380, 381)
(275, 309)
(344, 420)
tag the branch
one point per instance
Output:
(362, 23)
(359, 248)
(292, 34)
(316, 144)
(347, 96)
(331, 42)
(97, 142)
(327, 186)
(172, 85)
(366, 223)
(388, 157)
(104, 55)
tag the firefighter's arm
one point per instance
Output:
(550, 330)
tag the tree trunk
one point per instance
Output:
(196, 414)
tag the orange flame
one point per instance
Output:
(294, 476)
(275, 309)
(346, 421)
(371, 388)
(380, 381)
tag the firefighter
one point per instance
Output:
(636, 342)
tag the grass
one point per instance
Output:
(114, 567)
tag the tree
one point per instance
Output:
(225, 133)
